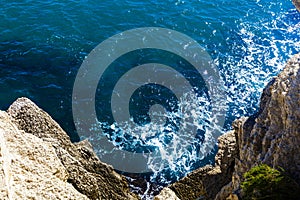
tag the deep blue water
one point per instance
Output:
(43, 44)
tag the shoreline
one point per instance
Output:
(83, 172)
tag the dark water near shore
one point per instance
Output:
(43, 44)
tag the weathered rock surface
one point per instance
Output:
(206, 182)
(29, 167)
(166, 193)
(37, 159)
(297, 4)
(272, 136)
(81, 166)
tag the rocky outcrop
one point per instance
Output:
(37, 159)
(272, 137)
(297, 4)
(166, 193)
(29, 167)
(206, 182)
(47, 162)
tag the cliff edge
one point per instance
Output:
(38, 160)
(272, 137)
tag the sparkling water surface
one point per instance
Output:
(43, 44)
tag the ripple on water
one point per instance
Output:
(43, 44)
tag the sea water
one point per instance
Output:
(43, 44)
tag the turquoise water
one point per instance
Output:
(43, 44)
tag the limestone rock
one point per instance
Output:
(29, 167)
(37, 159)
(272, 136)
(166, 193)
(297, 4)
(232, 197)
(227, 151)
(225, 192)
(3, 187)
(85, 171)
(201, 183)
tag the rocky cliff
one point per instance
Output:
(38, 160)
(272, 137)
(29, 167)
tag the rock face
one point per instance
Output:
(29, 167)
(297, 4)
(272, 136)
(37, 159)
(44, 160)
(206, 182)
(166, 193)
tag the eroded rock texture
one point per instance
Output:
(273, 136)
(81, 167)
(29, 167)
(37, 159)
(166, 193)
